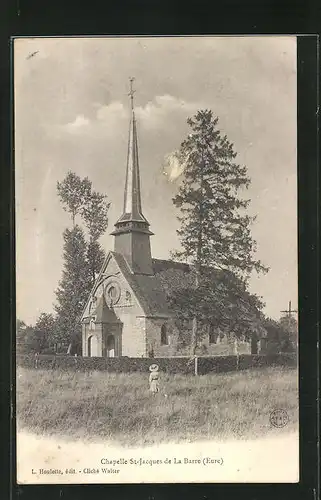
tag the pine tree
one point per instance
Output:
(74, 286)
(215, 231)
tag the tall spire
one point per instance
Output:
(132, 229)
(132, 198)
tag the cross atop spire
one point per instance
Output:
(131, 91)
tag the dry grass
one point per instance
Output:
(120, 408)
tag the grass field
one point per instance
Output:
(119, 407)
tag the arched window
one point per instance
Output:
(212, 338)
(164, 335)
(212, 334)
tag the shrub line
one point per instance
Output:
(183, 365)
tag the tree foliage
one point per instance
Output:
(95, 258)
(94, 213)
(44, 330)
(22, 334)
(215, 231)
(37, 338)
(80, 199)
(289, 326)
(281, 336)
(73, 193)
(83, 254)
(74, 287)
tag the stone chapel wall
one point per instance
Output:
(154, 337)
(130, 313)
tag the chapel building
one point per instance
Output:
(127, 313)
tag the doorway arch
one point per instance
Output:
(110, 346)
(92, 346)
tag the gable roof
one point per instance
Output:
(105, 314)
(148, 289)
(151, 291)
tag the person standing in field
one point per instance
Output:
(154, 378)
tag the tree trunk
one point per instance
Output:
(194, 324)
(198, 268)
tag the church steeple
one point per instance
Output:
(132, 197)
(132, 229)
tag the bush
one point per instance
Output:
(217, 364)
(48, 351)
(117, 365)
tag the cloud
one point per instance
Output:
(77, 125)
(111, 112)
(158, 113)
(105, 120)
(155, 112)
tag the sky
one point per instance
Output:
(72, 113)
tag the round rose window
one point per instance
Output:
(112, 293)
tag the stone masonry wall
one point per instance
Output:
(129, 312)
(153, 336)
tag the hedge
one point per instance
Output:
(206, 364)
(256, 361)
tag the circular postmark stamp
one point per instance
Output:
(279, 418)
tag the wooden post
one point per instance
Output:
(195, 365)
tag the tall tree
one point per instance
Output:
(94, 213)
(73, 193)
(215, 229)
(79, 199)
(83, 254)
(74, 286)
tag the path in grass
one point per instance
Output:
(119, 408)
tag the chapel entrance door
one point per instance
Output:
(93, 346)
(110, 346)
